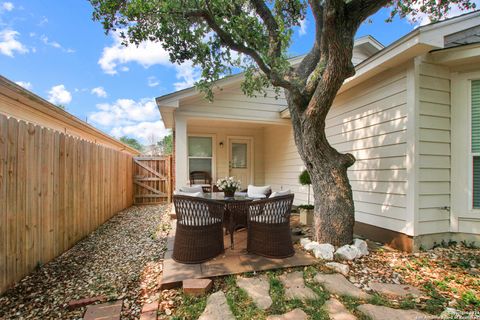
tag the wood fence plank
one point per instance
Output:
(3, 202)
(11, 197)
(21, 199)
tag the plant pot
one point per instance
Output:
(229, 193)
(306, 216)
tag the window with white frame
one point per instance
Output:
(475, 143)
(200, 155)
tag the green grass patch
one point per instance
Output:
(191, 308)
(240, 303)
(379, 300)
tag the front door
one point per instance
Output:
(240, 160)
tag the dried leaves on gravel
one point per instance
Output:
(122, 259)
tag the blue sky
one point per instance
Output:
(54, 49)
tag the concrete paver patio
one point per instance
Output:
(234, 261)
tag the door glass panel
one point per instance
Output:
(199, 146)
(239, 155)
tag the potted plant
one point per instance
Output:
(306, 210)
(228, 185)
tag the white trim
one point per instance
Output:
(252, 155)
(461, 136)
(470, 153)
(214, 153)
(412, 156)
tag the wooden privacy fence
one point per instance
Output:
(152, 179)
(54, 190)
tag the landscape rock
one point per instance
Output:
(295, 314)
(338, 284)
(382, 313)
(395, 290)
(217, 308)
(258, 289)
(295, 287)
(338, 267)
(361, 246)
(324, 251)
(305, 241)
(337, 311)
(311, 245)
(347, 252)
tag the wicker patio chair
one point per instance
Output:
(199, 234)
(201, 178)
(269, 232)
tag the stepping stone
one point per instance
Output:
(295, 314)
(197, 287)
(258, 289)
(338, 267)
(217, 308)
(338, 284)
(382, 313)
(295, 287)
(104, 311)
(337, 311)
(395, 290)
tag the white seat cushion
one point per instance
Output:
(190, 194)
(253, 190)
(202, 221)
(192, 189)
(257, 196)
(280, 193)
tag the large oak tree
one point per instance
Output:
(219, 36)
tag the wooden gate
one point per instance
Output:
(152, 179)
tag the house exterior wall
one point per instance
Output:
(370, 122)
(220, 134)
(433, 127)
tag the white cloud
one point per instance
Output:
(59, 95)
(7, 6)
(9, 44)
(99, 92)
(125, 112)
(153, 81)
(147, 54)
(421, 19)
(303, 27)
(27, 85)
(43, 22)
(188, 76)
(55, 44)
(143, 131)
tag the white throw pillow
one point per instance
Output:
(253, 190)
(192, 189)
(190, 194)
(280, 193)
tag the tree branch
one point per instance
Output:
(228, 41)
(274, 44)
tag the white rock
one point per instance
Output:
(338, 267)
(324, 251)
(361, 246)
(347, 252)
(304, 241)
(311, 245)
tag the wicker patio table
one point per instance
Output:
(236, 211)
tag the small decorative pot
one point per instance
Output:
(229, 193)
(306, 216)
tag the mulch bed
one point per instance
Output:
(122, 259)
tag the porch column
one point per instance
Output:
(181, 178)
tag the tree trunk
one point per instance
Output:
(333, 199)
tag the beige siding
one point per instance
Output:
(370, 122)
(434, 149)
(231, 103)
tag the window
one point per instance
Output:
(475, 103)
(200, 154)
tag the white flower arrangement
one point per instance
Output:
(228, 184)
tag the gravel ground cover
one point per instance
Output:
(122, 259)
